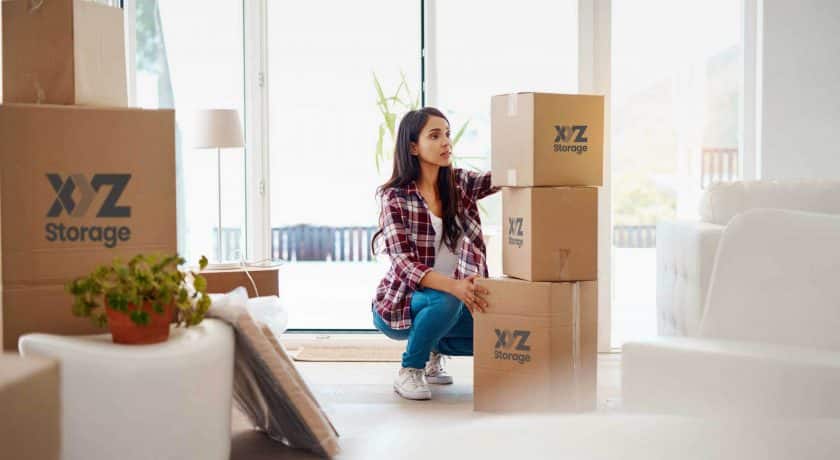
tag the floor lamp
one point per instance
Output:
(218, 129)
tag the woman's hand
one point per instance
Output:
(470, 293)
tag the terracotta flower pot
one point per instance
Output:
(125, 331)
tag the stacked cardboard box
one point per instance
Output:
(79, 184)
(63, 52)
(536, 346)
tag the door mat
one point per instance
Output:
(348, 351)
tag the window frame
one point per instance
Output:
(594, 76)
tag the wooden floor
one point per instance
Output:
(361, 403)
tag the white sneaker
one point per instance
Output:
(435, 372)
(411, 384)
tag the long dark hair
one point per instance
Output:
(407, 170)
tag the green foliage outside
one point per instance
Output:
(637, 200)
(149, 39)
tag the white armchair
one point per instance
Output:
(768, 343)
(685, 250)
(170, 400)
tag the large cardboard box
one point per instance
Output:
(535, 347)
(550, 233)
(30, 425)
(222, 281)
(63, 52)
(78, 187)
(542, 139)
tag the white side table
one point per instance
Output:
(170, 400)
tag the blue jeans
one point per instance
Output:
(439, 322)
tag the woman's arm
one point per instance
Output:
(465, 290)
(408, 266)
(477, 185)
(438, 281)
(397, 244)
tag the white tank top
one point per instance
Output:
(445, 259)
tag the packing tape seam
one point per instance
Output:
(20, 285)
(511, 177)
(525, 371)
(78, 249)
(576, 326)
(519, 315)
(512, 105)
(40, 94)
(35, 5)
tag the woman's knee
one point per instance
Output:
(383, 327)
(447, 304)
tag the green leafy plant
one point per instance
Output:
(145, 278)
(390, 107)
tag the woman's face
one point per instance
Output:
(433, 145)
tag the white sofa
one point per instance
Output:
(768, 343)
(169, 400)
(685, 250)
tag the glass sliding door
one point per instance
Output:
(189, 56)
(675, 89)
(327, 121)
(480, 49)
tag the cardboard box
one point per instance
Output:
(79, 186)
(536, 347)
(550, 234)
(542, 139)
(30, 403)
(223, 281)
(64, 52)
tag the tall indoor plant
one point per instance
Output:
(390, 108)
(397, 104)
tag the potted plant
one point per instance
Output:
(140, 299)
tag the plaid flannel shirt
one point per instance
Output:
(409, 240)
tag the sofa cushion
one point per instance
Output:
(266, 385)
(723, 201)
(685, 254)
(775, 280)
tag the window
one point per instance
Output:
(480, 49)
(324, 128)
(674, 130)
(189, 56)
(674, 121)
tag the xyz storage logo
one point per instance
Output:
(512, 346)
(74, 195)
(515, 234)
(571, 139)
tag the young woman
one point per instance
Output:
(430, 228)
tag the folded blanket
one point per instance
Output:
(266, 385)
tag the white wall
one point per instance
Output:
(800, 94)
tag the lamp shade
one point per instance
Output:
(217, 128)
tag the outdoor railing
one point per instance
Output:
(634, 236)
(718, 165)
(231, 238)
(352, 244)
(311, 243)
